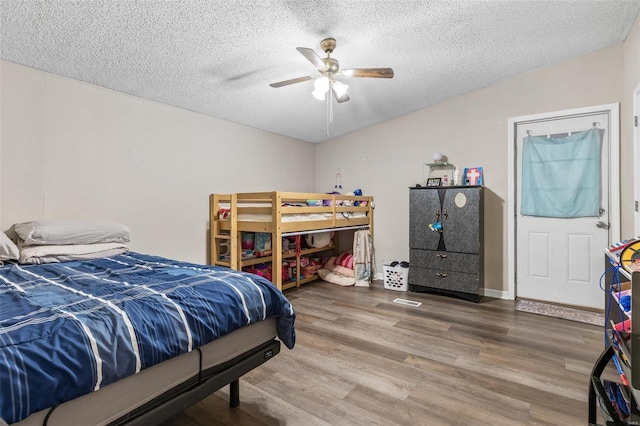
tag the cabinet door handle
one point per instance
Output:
(441, 275)
(441, 256)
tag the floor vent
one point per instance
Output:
(407, 302)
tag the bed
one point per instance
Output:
(281, 214)
(130, 338)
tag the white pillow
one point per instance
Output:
(64, 253)
(8, 249)
(58, 232)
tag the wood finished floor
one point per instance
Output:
(361, 359)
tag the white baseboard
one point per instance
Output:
(498, 294)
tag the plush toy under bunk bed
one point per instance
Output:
(339, 270)
(352, 268)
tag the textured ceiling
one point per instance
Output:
(218, 57)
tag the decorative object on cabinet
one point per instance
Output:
(285, 216)
(450, 260)
(473, 176)
(457, 177)
(433, 182)
(438, 169)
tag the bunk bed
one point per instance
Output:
(281, 214)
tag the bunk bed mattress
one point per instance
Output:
(299, 217)
(122, 397)
(72, 328)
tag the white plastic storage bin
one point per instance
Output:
(395, 277)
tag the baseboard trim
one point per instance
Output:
(497, 294)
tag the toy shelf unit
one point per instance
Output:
(292, 258)
(617, 395)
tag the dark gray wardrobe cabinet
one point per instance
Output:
(448, 261)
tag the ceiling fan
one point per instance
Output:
(329, 69)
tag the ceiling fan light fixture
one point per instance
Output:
(321, 86)
(319, 94)
(321, 83)
(340, 88)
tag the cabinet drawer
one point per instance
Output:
(445, 280)
(445, 261)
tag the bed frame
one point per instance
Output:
(276, 205)
(200, 381)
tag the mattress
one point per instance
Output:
(115, 400)
(300, 217)
(71, 328)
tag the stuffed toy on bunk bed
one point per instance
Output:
(339, 270)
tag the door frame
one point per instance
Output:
(614, 179)
(636, 155)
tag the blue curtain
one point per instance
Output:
(561, 176)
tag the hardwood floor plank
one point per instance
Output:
(308, 375)
(469, 410)
(323, 403)
(493, 390)
(348, 364)
(553, 384)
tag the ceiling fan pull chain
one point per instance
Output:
(329, 109)
(330, 100)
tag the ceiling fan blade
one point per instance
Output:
(344, 98)
(367, 72)
(292, 81)
(313, 57)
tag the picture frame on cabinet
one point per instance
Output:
(473, 176)
(434, 181)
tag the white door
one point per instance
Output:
(560, 260)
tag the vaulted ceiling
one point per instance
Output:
(219, 57)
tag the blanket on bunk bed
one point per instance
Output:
(70, 328)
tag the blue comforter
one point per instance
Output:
(70, 328)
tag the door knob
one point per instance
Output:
(602, 225)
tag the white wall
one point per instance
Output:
(72, 150)
(471, 130)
